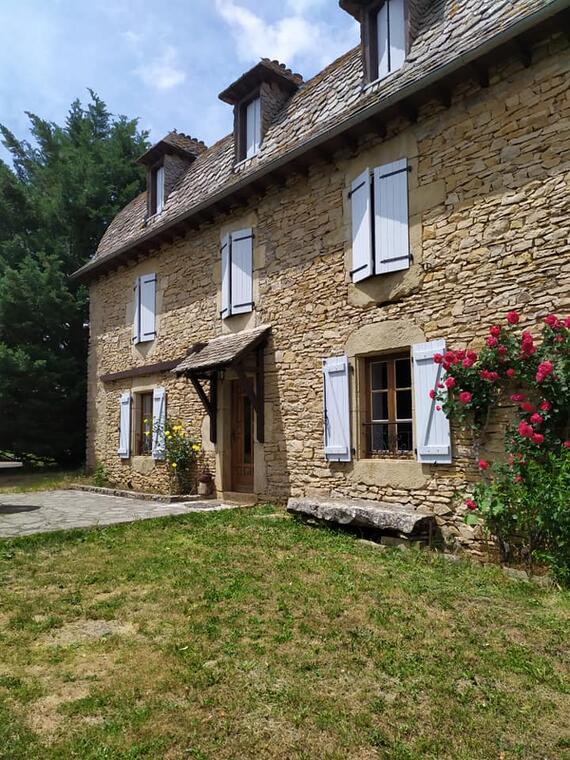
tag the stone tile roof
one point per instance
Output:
(446, 31)
(222, 351)
(181, 143)
(264, 70)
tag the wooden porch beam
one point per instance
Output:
(210, 403)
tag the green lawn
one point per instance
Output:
(22, 481)
(246, 635)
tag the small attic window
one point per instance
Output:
(251, 127)
(257, 97)
(389, 21)
(384, 29)
(156, 190)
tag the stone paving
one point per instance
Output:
(44, 511)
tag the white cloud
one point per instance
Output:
(291, 38)
(302, 6)
(162, 72)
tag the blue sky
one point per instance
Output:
(164, 61)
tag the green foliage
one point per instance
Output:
(181, 452)
(100, 477)
(55, 204)
(525, 500)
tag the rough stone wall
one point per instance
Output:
(490, 230)
(174, 167)
(273, 98)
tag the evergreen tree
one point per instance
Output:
(65, 188)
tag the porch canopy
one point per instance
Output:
(205, 361)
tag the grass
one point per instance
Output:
(244, 634)
(21, 481)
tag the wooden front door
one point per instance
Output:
(242, 440)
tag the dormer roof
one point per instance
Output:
(354, 7)
(174, 142)
(264, 71)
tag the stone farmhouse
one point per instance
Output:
(282, 292)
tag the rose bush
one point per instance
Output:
(524, 500)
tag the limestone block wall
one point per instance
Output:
(490, 231)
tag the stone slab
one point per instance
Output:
(362, 513)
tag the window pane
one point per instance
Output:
(379, 376)
(379, 406)
(403, 405)
(403, 373)
(379, 437)
(405, 441)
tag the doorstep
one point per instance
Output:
(237, 497)
(140, 495)
(402, 519)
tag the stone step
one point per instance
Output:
(362, 513)
(237, 497)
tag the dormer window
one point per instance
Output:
(384, 33)
(166, 162)
(156, 190)
(257, 97)
(252, 127)
(390, 35)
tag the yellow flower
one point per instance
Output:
(145, 421)
(195, 447)
(174, 465)
(168, 434)
(147, 432)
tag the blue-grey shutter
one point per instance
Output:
(226, 277)
(160, 189)
(361, 208)
(147, 307)
(137, 312)
(125, 403)
(433, 437)
(383, 41)
(397, 33)
(158, 422)
(336, 409)
(391, 222)
(241, 271)
(253, 127)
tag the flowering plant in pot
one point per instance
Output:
(522, 498)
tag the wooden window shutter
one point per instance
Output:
(159, 189)
(147, 308)
(361, 209)
(433, 437)
(125, 403)
(397, 33)
(226, 278)
(336, 409)
(137, 312)
(241, 271)
(253, 127)
(392, 236)
(158, 422)
(382, 31)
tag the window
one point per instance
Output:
(144, 323)
(143, 432)
(144, 424)
(380, 221)
(156, 190)
(237, 273)
(388, 420)
(250, 128)
(391, 36)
